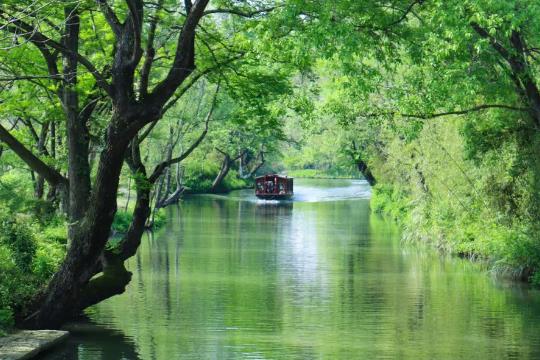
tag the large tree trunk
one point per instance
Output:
(115, 277)
(244, 164)
(366, 172)
(42, 149)
(361, 163)
(88, 238)
(223, 171)
(77, 131)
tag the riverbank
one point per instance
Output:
(507, 250)
(27, 344)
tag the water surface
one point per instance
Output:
(319, 277)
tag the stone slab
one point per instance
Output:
(26, 344)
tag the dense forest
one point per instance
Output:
(111, 110)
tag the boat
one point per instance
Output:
(274, 187)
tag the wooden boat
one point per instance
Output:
(274, 187)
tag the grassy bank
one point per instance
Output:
(509, 249)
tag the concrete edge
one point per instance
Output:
(27, 344)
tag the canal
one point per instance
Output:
(320, 277)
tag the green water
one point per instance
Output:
(321, 277)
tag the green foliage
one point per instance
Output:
(17, 235)
(160, 219)
(535, 279)
(122, 220)
(30, 253)
(387, 200)
(7, 267)
(198, 179)
(475, 207)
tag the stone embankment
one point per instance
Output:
(26, 344)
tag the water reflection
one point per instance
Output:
(89, 341)
(235, 278)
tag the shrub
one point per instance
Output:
(48, 258)
(55, 233)
(18, 237)
(160, 219)
(29, 255)
(389, 201)
(7, 267)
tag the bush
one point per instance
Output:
(387, 200)
(199, 179)
(18, 237)
(7, 267)
(29, 256)
(160, 219)
(48, 257)
(55, 233)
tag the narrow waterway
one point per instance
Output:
(320, 277)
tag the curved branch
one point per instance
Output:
(466, 111)
(193, 79)
(407, 11)
(184, 58)
(51, 175)
(110, 16)
(447, 113)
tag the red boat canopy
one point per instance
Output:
(273, 186)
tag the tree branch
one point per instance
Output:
(239, 12)
(39, 40)
(110, 16)
(463, 112)
(161, 167)
(184, 59)
(36, 164)
(150, 52)
(407, 11)
(193, 79)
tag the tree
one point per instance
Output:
(143, 68)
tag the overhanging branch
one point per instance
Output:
(446, 113)
(51, 175)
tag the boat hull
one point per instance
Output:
(274, 196)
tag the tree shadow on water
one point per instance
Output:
(90, 341)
